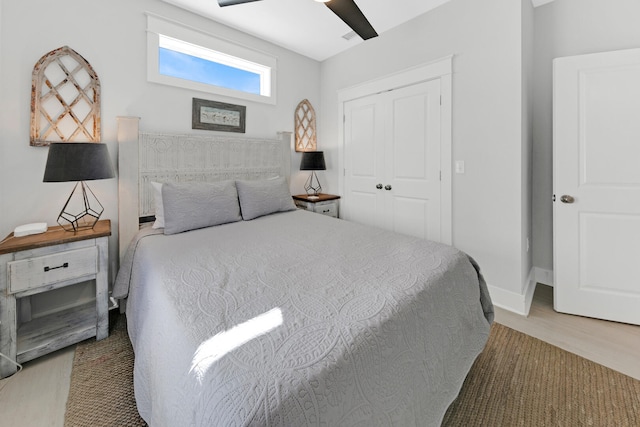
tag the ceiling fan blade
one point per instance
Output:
(223, 3)
(350, 13)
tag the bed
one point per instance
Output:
(290, 318)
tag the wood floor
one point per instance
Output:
(36, 397)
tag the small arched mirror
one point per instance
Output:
(65, 99)
(305, 126)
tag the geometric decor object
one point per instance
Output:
(305, 127)
(82, 209)
(65, 99)
(78, 161)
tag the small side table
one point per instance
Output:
(326, 204)
(38, 263)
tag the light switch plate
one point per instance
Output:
(459, 166)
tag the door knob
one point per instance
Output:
(379, 186)
(387, 187)
(567, 199)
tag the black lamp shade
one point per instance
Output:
(312, 161)
(77, 161)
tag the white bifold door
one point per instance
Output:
(392, 160)
(596, 185)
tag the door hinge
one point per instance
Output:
(440, 175)
(440, 99)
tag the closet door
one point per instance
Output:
(364, 160)
(392, 160)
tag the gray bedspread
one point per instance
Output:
(298, 319)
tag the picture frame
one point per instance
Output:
(218, 116)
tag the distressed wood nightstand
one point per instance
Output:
(326, 204)
(34, 264)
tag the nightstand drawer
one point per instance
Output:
(329, 209)
(58, 267)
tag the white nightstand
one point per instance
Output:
(31, 265)
(326, 204)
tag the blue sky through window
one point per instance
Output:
(183, 66)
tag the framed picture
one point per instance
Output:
(212, 115)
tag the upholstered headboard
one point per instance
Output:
(144, 157)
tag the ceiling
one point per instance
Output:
(306, 26)
(309, 27)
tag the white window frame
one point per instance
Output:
(163, 32)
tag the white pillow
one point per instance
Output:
(157, 197)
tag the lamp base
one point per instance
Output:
(82, 210)
(312, 186)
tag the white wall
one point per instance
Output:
(565, 28)
(527, 141)
(111, 35)
(485, 39)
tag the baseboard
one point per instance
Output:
(515, 302)
(508, 300)
(543, 276)
(530, 290)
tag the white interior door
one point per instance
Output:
(392, 160)
(597, 185)
(364, 129)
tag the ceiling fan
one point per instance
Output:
(347, 10)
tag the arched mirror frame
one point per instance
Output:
(305, 127)
(65, 99)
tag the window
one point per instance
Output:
(184, 57)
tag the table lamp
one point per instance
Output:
(78, 161)
(312, 161)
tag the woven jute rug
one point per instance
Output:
(519, 380)
(101, 392)
(516, 381)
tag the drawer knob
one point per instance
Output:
(65, 265)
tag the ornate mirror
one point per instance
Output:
(65, 99)
(305, 126)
